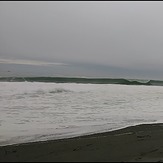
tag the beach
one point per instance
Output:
(81, 82)
(136, 143)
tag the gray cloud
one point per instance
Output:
(29, 62)
(120, 34)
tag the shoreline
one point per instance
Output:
(136, 143)
(102, 132)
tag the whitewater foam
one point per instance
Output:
(34, 111)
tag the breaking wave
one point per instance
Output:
(81, 80)
(60, 90)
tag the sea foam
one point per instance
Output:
(35, 111)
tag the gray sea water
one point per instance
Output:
(38, 111)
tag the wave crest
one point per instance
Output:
(59, 90)
(81, 80)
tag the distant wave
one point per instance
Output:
(81, 80)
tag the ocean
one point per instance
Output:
(48, 108)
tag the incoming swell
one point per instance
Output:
(80, 80)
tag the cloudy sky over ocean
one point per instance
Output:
(96, 39)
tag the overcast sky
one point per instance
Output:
(111, 39)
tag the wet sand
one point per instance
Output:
(137, 143)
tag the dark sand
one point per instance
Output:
(137, 143)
